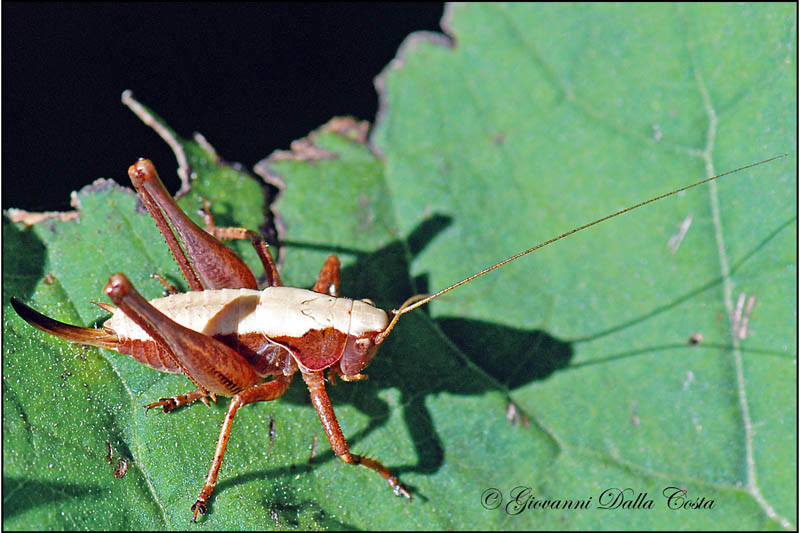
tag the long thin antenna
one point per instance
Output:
(418, 301)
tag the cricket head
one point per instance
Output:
(369, 327)
(367, 322)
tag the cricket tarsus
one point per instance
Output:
(411, 305)
(169, 404)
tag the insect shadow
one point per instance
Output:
(427, 357)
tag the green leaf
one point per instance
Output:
(534, 120)
(540, 118)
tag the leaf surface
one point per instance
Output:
(539, 118)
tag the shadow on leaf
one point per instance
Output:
(36, 492)
(422, 357)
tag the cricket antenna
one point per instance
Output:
(421, 299)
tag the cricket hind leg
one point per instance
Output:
(258, 242)
(207, 263)
(264, 392)
(324, 408)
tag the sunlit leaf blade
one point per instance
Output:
(536, 119)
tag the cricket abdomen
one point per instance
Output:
(227, 315)
(215, 312)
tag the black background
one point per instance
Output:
(251, 78)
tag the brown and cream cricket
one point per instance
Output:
(227, 336)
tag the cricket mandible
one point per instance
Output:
(227, 336)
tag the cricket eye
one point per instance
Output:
(362, 345)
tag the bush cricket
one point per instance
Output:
(227, 336)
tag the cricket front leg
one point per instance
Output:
(258, 393)
(316, 387)
(328, 279)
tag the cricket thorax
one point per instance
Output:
(318, 329)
